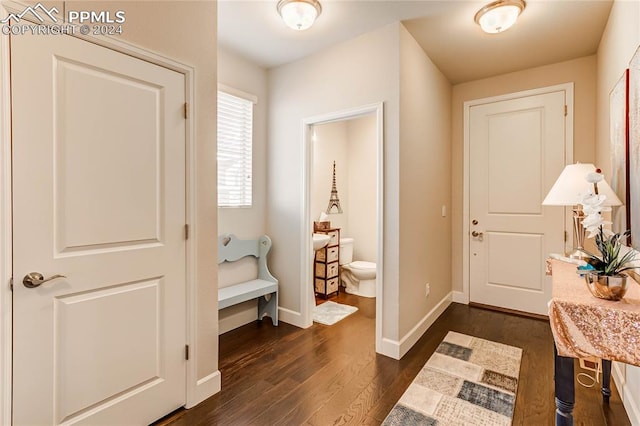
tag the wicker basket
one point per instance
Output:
(321, 226)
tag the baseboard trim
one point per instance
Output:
(239, 317)
(631, 405)
(292, 317)
(618, 375)
(460, 297)
(397, 349)
(630, 402)
(242, 318)
(205, 388)
(390, 348)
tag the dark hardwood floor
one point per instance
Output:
(329, 375)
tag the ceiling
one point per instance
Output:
(547, 32)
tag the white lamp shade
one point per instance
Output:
(571, 186)
(299, 14)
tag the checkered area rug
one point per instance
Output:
(467, 381)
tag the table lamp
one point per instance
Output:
(569, 189)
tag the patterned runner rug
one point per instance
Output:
(467, 381)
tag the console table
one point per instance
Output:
(585, 326)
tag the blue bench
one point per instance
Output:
(264, 288)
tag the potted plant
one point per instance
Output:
(605, 277)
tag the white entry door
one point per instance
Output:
(517, 150)
(99, 197)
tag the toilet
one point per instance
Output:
(359, 277)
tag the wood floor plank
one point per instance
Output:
(358, 410)
(341, 400)
(331, 374)
(322, 397)
(243, 413)
(308, 394)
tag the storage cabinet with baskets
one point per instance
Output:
(326, 269)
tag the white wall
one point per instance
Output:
(352, 144)
(329, 145)
(239, 73)
(384, 65)
(362, 178)
(246, 223)
(617, 46)
(425, 187)
(361, 71)
(581, 71)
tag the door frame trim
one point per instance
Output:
(6, 255)
(463, 297)
(307, 296)
(196, 390)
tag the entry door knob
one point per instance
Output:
(34, 279)
(477, 234)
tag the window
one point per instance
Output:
(235, 134)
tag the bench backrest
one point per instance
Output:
(231, 248)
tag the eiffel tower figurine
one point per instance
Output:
(334, 201)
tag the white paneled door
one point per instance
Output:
(517, 150)
(99, 197)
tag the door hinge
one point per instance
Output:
(566, 110)
(186, 110)
(186, 231)
(566, 236)
(11, 283)
(186, 352)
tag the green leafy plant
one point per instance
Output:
(610, 261)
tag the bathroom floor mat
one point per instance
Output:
(330, 313)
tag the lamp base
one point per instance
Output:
(578, 234)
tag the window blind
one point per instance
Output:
(235, 134)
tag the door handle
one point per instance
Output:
(34, 279)
(477, 234)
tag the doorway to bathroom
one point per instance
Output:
(343, 193)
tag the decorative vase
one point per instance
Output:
(610, 287)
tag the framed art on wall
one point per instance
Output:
(619, 134)
(633, 159)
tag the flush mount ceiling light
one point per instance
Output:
(499, 16)
(299, 14)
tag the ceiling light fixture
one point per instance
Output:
(299, 14)
(499, 16)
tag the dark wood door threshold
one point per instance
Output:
(510, 311)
